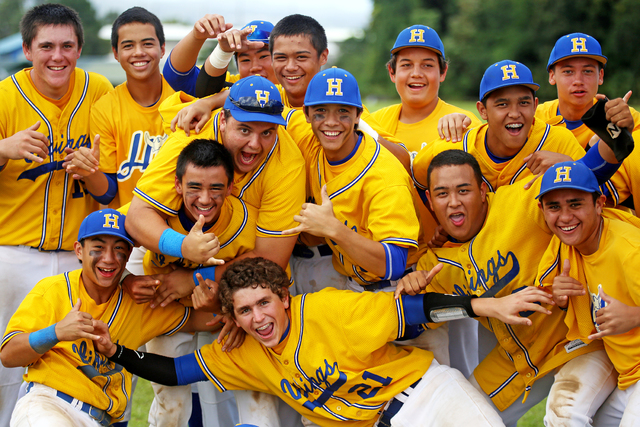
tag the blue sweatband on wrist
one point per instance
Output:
(599, 166)
(171, 243)
(206, 273)
(43, 340)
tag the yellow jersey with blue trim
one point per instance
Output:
(235, 229)
(541, 137)
(336, 365)
(613, 267)
(371, 194)
(41, 205)
(416, 136)
(75, 367)
(130, 137)
(498, 261)
(276, 187)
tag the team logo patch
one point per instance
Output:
(262, 96)
(334, 87)
(509, 72)
(613, 130)
(596, 304)
(579, 44)
(417, 36)
(563, 174)
(110, 221)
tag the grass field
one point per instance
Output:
(144, 395)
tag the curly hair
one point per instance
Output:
(251, 273)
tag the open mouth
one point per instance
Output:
(107, 272)
(203, 211)
(292, 78)
(416, 85)
(514, 128)
(568, 228)
(331, 134)
(265, 331)
(140, 63)
(57, 68)
(247, 158)
(457, 219)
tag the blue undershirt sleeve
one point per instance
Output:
(185, 82)
(600, 168)
(413, 306)
(188, 370)
(112, 190)
(396, 260)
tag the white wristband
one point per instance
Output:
(220, 59)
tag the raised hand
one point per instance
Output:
(201, 247)
(416, 282)
(75, 325)
(28, 144)
(565, 286)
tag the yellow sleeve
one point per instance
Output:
(387, 223)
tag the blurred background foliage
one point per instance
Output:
(477, 33)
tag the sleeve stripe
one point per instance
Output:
(388, 260)
(9, 336)
(270, 232)
(400, 240)
(176, 71)
(400, 315)
(153, 202)
(208, 372)
(185, 317)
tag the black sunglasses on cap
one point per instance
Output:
(251, 104)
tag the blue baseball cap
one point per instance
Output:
(261, 30)
(576, 44)
(104, 222)
(506, 73)
(570, 174)
(333, 86)
(419, 36)
(255, 99)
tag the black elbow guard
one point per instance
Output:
(152, 367)
(619, 140)
(444, 308)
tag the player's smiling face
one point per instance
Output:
(573, 217)
(104, 258)
(54, 52)
(295, 62)
(261, 313)
(577, 80)
(256, 61)
(417, 77)
(203, 191)
(139, 51)
(248, 142)
(458, 201)
(509, 113)
(334, 126)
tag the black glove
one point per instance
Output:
(619, 140)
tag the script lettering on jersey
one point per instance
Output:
(500, 271)
(95, 365)
(55, 148)
(142, 150)
(322, 379)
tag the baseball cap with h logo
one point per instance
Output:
(573, 175)
(419, 36)
(255, 99)
(104, 222)
(333, 86)
(576, 45)
(506, 73)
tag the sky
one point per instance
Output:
(340, 18)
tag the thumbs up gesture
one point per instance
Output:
(201, 247)
(565, 286)
(84, 161)
(75, 325)
(317, 220)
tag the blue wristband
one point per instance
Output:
(206, 273)
(43, 340)
(171, 243)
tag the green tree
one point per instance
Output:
(11, 12)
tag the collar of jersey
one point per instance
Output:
(186, 222)
(353, 152)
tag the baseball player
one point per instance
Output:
(491, 253)
(248, 45)
(418, 67)
(357, 187)
(69, 383)
(43, 116)
(351, 379)
(576, 67)
(602, 254)
(268, 175)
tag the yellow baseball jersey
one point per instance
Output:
(276, 187)
(417, 135)
(75, 367)
(501, 259)
(345, 380)
(625, 181)
(235, 229)
(613, 266)
(541, 137)
(130, 137)
(41, 206)
(371, 194)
